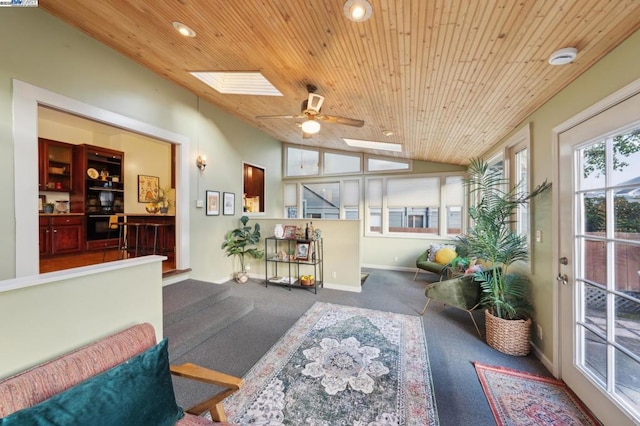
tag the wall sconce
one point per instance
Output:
(201, 162)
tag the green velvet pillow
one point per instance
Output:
(136, 392)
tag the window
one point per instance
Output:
(424, 205)
(301, 161)
(334, 163)
(321, 200)
(380, 164)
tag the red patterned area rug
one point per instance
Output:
(517, 398)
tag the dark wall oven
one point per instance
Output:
(98, 227)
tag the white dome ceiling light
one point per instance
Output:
(310, 126)
(563, 56)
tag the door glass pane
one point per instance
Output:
(595, 356)
(627, 213)
(595, 308)
(627, 327)
(595, 261)
(592, 170)
(628, 378)
(595, 214)
(626, 153)
(627, 267)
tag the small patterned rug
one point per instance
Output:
(341, 365)
(517, 398)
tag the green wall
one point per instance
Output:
(43, 51)
(618, 69)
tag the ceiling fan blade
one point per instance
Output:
(341, 120)
(260, 117)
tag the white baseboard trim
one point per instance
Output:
(174, 279)
(343, 287)
(544, 360)
(390, 268)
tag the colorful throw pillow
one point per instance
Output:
(434, 250)
(445, 255)
(137, 392)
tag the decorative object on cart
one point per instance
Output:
(213, 203)
(148, 187)
(492, 239)
(290, 232)
(317, 234)
(302, 251)
(307, 280)
(48, 207)
(278, 231)
(242, 242)
(229, 204)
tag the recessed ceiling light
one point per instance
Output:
(183, 29)
(238, 83)
(563, 56)
(383, 146)
(357, 10)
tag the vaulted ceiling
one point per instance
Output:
(449, 78)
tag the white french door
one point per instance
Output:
(599, 261)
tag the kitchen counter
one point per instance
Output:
(61, 214)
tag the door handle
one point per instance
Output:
(563, 278)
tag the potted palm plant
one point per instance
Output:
(505, 294)
(242, 242)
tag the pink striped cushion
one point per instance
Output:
(42, 382)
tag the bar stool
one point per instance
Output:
(155, 227)
(124, 239)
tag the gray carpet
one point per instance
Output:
(452, 341)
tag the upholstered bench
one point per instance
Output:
(123, 379)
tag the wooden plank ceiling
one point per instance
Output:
(449, 78)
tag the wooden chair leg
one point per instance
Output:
(425, 307)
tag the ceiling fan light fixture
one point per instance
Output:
(311, 127)
(357, 10)
(563, 56)
(183, 29)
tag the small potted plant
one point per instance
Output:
(243, 242)
(48, 208)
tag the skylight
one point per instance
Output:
(384, 146)
(238, 83)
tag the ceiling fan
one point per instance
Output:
(310, 110)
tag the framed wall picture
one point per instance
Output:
(148, 188)
(302, 251)
(42, 200)
(213, 203)
(290, 232)
(229, 203)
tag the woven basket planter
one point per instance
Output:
(511, 337)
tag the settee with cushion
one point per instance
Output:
(437, 259)
(123, 379)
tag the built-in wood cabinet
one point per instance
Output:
(61, 234)
(55, 165)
